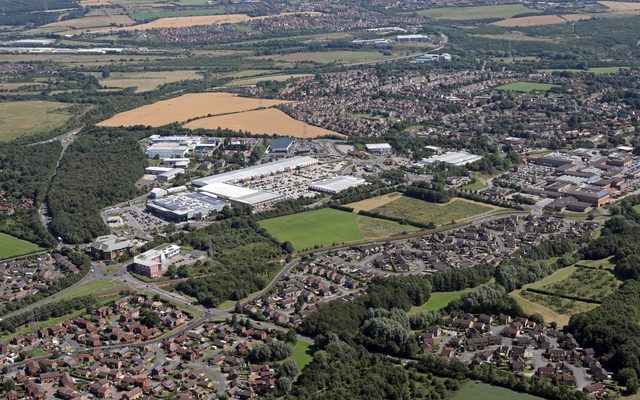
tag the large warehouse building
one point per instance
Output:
(257, 171)
(456, 158)
(337, 184)
(256, 199)
(186, 206)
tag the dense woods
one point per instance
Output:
(241, 256)
(99, 169)
(25, 174)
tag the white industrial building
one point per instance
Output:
(166, 150)
(183, 207)
(336, 184)
(456, 158)
(411, 38)
(183, 140)
(251, 197)
(257, 171)
(379, 148)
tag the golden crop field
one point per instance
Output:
(187, 107)
(145, 81)
(542, 20)
(621, 5)
(265, 121)
(184, 22)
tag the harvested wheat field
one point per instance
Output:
(374, 202)
(542, 20)
(621, 5)
(258, 122)
(187, 107)
(185, 22)
(93, 21)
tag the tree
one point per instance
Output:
(150, 318)
(289, 368)
(285, 384)
(171, 271)
(183, 271)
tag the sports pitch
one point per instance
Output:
(328, 226)
(14, 247)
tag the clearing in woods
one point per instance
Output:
(483, 391)
(23, 118)
(187, 107)
(439, 300)
(268, 121)
(145, 81)
(14, 247)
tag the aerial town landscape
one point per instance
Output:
(319, 199)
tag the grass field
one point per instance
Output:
(526, 87)
(483, 391)
(155, 14)
(424, 212)
(145, 81)
(24, 118)
(552, 308)
(326, 57)
(13, 247)
(301, 355)
(251, 81)
(476, 12)
(186, 107)
(587, 283)
(328, 226)
(594, 70)
(266, 121)
(94, 287)
(538, 20)
(439, 300)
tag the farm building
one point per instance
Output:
(337, 184)
(257, 171)
(456, 158)
(185, 206)
(379, 148)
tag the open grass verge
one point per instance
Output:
(438, 301)
(301, 355)
(483, 391)
(95, 287)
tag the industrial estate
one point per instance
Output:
(363, 199)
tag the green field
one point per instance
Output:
(594, 70)
(301, 354)
(326, 57)
(94, 287)
(23, 118)
(476, 12)
(424, 212)
(526, 87)
(327, 226)
(13, 247)
(587, 283)
(439, 300)
(483, 391)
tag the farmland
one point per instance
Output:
(186, 107)
(538, 20)
(13, 247)
(476, 12)
(266, 121)
(526, 87)
(43, 116)
(440, 214)
(187, 21)
(325, 227)
(146, 80)
(326, 57)
(483, 391)
(374, 202)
